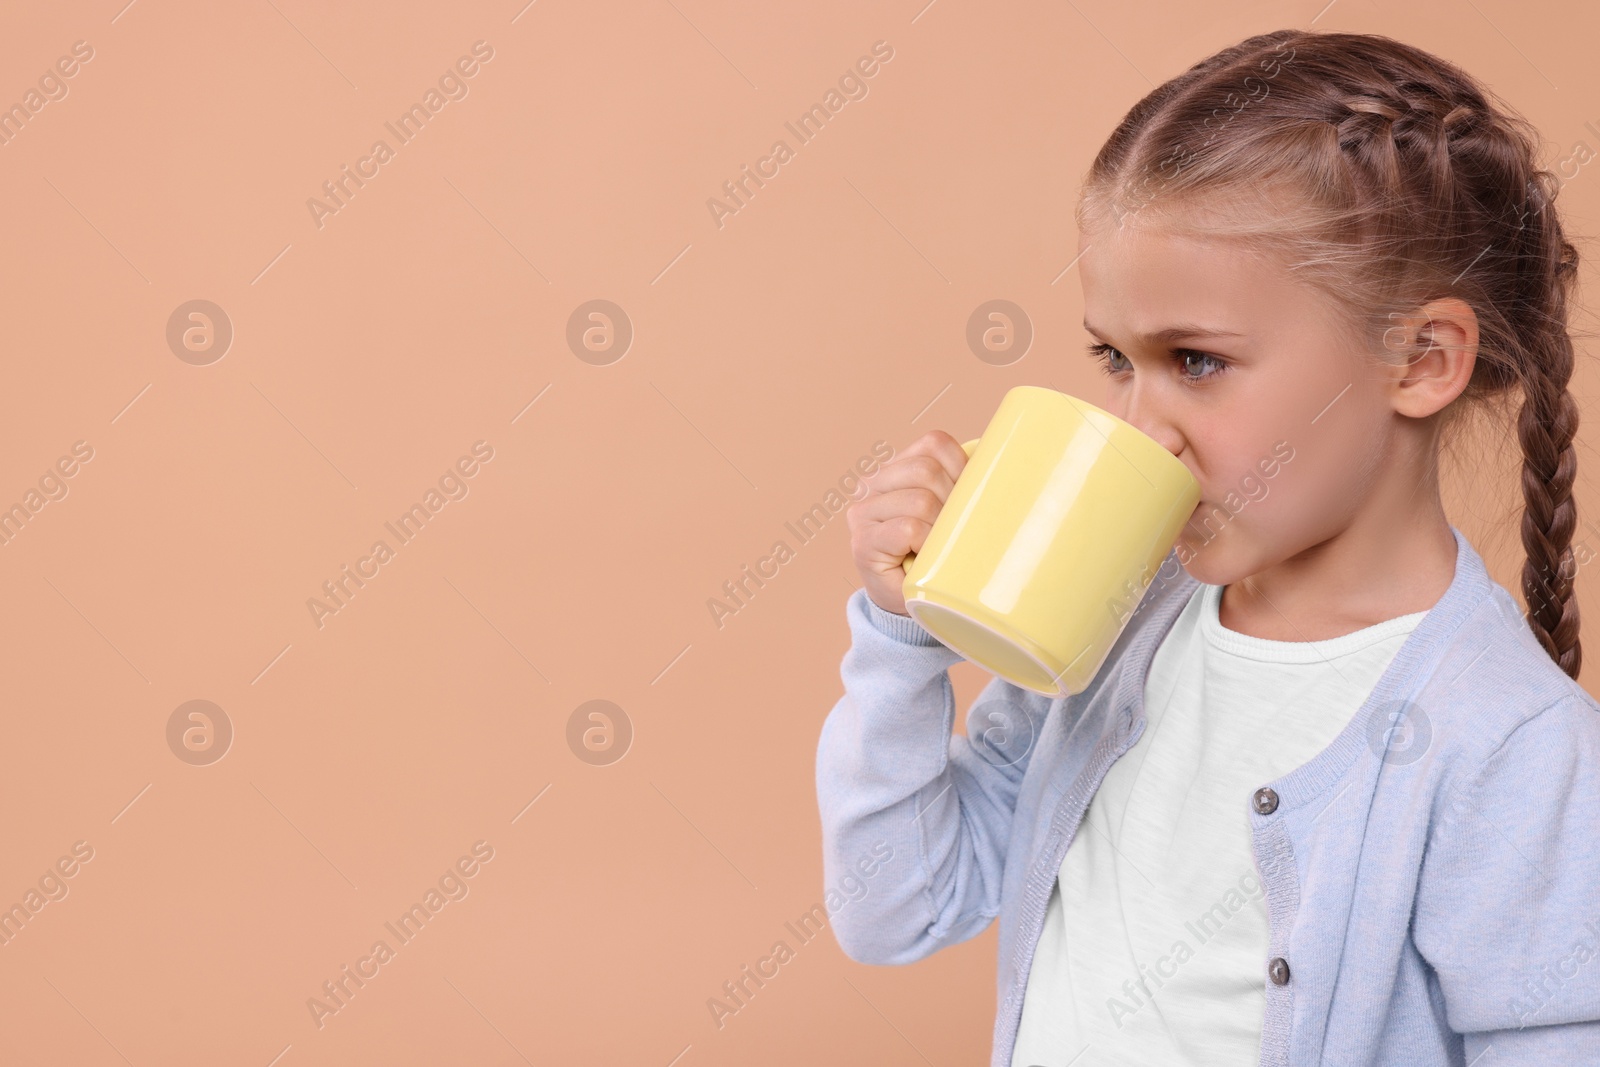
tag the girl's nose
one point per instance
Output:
(1150, 422)
(1167, 435)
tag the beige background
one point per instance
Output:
(429, 313)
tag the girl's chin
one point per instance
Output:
(1205, 560)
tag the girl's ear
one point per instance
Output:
(1441, 338)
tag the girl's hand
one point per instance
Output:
(903, 498)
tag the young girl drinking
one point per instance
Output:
(1333, 798)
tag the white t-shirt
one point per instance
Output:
(1154, 948)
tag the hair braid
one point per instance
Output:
(1546, 426)
(1547, 422)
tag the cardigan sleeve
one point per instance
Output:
(1508, 895)
(894, 780)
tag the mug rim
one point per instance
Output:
(1008, 634)
(1154, 449)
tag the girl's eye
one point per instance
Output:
(1105, 354)
(1191, 360)
(1188, 360)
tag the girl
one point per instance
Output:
(1332, 798)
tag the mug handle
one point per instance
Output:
(968, 447)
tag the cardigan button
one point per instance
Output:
(1278, 970)
(1266, 801)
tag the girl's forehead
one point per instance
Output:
(1151, 267)
(1145, 285)
(1131, 240)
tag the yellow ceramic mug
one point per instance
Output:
(1049, 539)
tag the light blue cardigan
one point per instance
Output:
(1433, 896)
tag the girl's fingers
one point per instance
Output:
(915, 501)
(933, 460)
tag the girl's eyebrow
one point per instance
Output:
(1181, 332)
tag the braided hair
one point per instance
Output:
(1387, 177)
